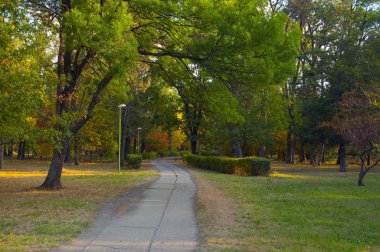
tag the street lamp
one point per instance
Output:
(120, 107)
(138, 140)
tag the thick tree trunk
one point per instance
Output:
(193, 144)
(76, 147)
(194, 139)
(342, 157)
(288, 158)
(53, 179)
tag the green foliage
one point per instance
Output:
(134, 161)
(249, 166)
(184, 154)
(149, 155)
(167, 153)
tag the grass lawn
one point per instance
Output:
(34, 220)
(297, 208)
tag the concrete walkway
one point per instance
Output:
(156, 217)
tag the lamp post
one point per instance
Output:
(138, 140)
(120, 107)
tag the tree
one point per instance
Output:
(224, 38)
(94, 45)
(358, 122)
(23, 84)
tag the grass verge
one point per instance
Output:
(294, 209)
(34, 220)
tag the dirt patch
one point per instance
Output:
(217, 215)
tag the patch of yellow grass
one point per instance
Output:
(34, 220)
(292, 176)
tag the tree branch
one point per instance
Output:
(95, 99)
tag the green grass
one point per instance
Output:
(308, 211)
(35, 220)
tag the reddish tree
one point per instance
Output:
(358, 122)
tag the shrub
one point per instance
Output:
(134, 161)
(149, 155)
(184, 153)
(249, 166)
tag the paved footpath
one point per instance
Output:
(156, 217)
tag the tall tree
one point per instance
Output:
(23, 84)
(94, 43)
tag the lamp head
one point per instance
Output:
(121, 106)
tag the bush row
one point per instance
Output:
(134, 161)
(249, 166)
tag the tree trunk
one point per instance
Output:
(261, 151)
(5, 153)
(193, 144)
(68, 159)
(369, 159)
(124, 133)
(123, 156)
(1, 155)
(76, 147)
(294, 142)
(194, 139)
(142, 146)
(236, 148)
(342, 157)
(321, 154)
(170, 140)
(127, 147)
(312, 155)
(10, 150)
(134, 145)
(361, 176)
(288, 158)
(53, 179)
(21, 150)
(303, 157)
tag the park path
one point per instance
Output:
(159, 216)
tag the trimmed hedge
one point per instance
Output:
(134, 161)
(249, 166)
